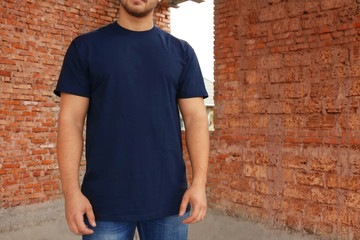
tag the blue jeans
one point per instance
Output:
(168, 228)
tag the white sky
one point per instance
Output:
(194, 22)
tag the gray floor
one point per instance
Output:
(22, 223)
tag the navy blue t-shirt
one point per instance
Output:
(134, 163)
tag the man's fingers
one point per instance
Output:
(90, 216)
(184, 204)
(82, 228)
(198, 214)
(203, 213)
(73, 227)
(194, 215)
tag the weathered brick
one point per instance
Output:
(272, 12)
(324, 228)
(314, 211)
(312, 179)
(241, 184)
(298, 81)
(331, 4)
(323, 164)
(294, 161)
(288, 175)
(257, 171)
(231, 167)
(321, 121)
(353, 200)
(297, 192)
(294, 122)
(255, 106)
(321, 195)
(292, 206)
(233, 108)
(309, 225)
(262, 187)
(293, 222)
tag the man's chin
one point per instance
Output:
(138, 11)
(138, 8)
(138, 14)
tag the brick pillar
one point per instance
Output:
(287, 120)
(162, 16)
(34, 38)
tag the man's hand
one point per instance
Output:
(196, 196)
(76, 206)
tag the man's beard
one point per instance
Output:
(139, 14)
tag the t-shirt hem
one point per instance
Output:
(138, 217)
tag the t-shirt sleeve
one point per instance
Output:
(191, 83)
(73, 78)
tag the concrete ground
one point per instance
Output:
(47, 222)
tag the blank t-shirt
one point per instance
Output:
(134, 163)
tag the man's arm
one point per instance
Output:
(197, 142)
(72, 115)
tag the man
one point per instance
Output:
(128, 78)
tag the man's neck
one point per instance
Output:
(133, 23)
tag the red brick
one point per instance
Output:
(262, 187)
(32, 185)
(309, 225)
(324, 228)
(241, 184)
(261, 158)
(294, 161)
(257, 171)
(48, 162)
(312, 179)
(297, 192)
(293, 222)
(9, 182)
(11, 165)
(314, 211)
(324, 164)
(331, 214)
(272, 12)
(37, 195)
(331, 4)
(288, 175)
(354, 219)
(354, 183)
(35, 152)
(41, 140)
(5, 73)
(255, 106)
(353, 122)
(321, 121)
(353, 200)
(233, 108)
(320, 195)
(293, 206)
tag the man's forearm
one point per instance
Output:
(69, 151)
(197, 142)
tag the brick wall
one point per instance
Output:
(286, 149)
(34, 36)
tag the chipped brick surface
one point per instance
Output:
(293, 119)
